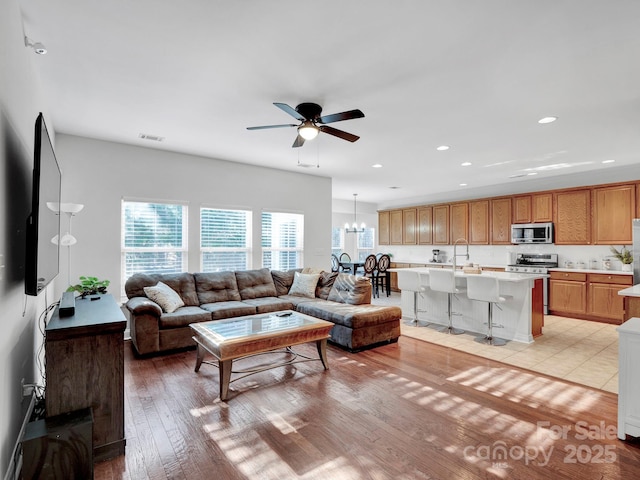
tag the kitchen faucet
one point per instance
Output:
(455, 253)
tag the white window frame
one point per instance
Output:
(367, 250)
(337, 249)
(183, 249)
(247, 249)
(299, 249)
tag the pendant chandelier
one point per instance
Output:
(354, 227)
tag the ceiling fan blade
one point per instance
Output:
(338, 117)
(290, 110)
(298, 143)
(272, 126)
(350, 137)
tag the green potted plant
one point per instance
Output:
(625, 256)
(89, 286)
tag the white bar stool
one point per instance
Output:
(444, 280)
(410, 282)
(487, 289)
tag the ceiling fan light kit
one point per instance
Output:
(313, 123)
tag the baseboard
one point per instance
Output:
(15, 461)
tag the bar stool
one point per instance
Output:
(487, 289)
(444, 280)
(410, 282)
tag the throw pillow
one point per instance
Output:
(164, 296)
(304, 284)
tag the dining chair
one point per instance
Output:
(344, 257)
(335, 263)
(370, 264)
(382, 276)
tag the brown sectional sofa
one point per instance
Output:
(340, 298)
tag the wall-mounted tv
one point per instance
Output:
(43, 224)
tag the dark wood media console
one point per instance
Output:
(85, 368)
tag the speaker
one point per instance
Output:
(59, 447)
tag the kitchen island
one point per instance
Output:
(521, 317)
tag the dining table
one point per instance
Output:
(352, 266)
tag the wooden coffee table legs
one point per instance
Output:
(225, 367)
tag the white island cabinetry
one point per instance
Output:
(521, 317)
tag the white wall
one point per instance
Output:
(20, 101)
(99, 174)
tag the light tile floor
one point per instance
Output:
(576, 350)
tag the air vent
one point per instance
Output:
(154, 138)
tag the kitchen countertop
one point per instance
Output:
(630, 292)
(503, 276)
(589, 270)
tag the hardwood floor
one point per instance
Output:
(411, 410)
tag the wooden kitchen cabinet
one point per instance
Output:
(409, 224)
(459, 226)
(613, 209)
(395, 227)
(603, 298)
(522, 209)
(501, 221)
(572, 217)
(425, 225)
(479, 222)
(568, 293)
(383, 228)
(542, 207)
(441, 225)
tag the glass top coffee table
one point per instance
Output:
(235, 338)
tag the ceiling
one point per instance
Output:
(474, 75)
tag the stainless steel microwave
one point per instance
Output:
(532, 233)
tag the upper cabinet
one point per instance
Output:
(572, 219)
(542, 207)
(395, 222)
(613, 209)
(522, 209)
(383, 228)
(501, 221)
(409, 222)
(479, 222)
(425, 225)
(441, 225)
(459, 222)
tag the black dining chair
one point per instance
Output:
(344, 257)
(370, 264)
(382, 276)
(335, 263)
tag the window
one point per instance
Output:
(337, 241)
(366, 243)
(282, 240)
(225, 240)
(154, 238)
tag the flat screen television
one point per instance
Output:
(42, 261)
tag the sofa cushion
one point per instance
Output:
(304, 284)
(296, 300)
(283, 280)
(350, 289)
(269, 304)
(183, 317)
(220, 310)
(183, 283)
(325, 283)
(214, 287)
(165, 296)
(352, 316)
(255, 284)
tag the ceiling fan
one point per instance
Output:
(312, 123)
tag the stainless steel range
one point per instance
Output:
(536, 263)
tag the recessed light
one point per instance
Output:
(377, 165)
(463, 184)
(442, 148)
(547, 119)
(465, 164)
(608, 161)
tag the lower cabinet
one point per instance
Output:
(592, 296)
